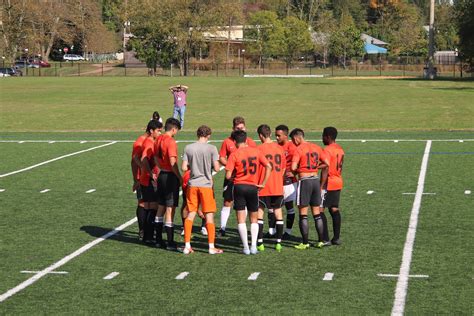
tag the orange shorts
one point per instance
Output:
(196, 196)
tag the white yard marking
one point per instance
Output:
(90, 191)
(54, 159)
(328, 276)
(363, 141)
(182, 275)
(395, 141)
(461, 141)
(83, 142)
(465, 192)
(414, 193)
(21, 142)
(384, 275)
(370, 192)
(402, 282)
(51, 142)
(66, 259)
(111, 275)
(45, 190)
(52, 272)
(253, 276)
(2, 190)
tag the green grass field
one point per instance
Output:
(39, 229)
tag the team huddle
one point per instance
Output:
(257, 178)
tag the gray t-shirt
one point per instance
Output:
(200, 157)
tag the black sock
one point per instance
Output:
(203, 222)
(169, 233)
(279, 229)
(141, 217)
(271, 220)
(304, 228)
(159, 232)
(318, 223)
(290, 215)
(336, 223)
(260, 232)
(325, 227)
(148, 227)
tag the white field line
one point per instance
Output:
(182, 275)
(111, 275)
(52, 272)
(2, 190)
(253, 276)
(90, 191)
(465, 192)
(414, 193)
(220, 141)
(384, 275)
(45, 190)
(328, 276)
(370, 192)
(54, 159)
(402, 282)
(68, 258)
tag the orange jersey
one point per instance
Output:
(137, 151)
(335, 155)
(147, 152)
(289, 150)
(186, 177)
(165, 148)
(228, 146)
(247, 162)
(308, 156)
(276, 157)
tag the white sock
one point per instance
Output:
(187, 245)
(254, 234)
(225, 213)
(211, 246)
(243, 234)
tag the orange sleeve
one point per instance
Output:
(173, 149)
(296, 156)
(251, 142)
(230, 163)
(223, 150)
(283, 160)
(324, 157)
(147, 151)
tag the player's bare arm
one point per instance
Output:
(174, 167)
(223, 161)
(185, 166)
(268, 171)
(145, 165)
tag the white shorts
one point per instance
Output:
(289, 192)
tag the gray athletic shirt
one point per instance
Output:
(200, 157)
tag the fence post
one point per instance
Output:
(217, 70)
(55, 69)
(79, 69)
(403, 65)
(310, 68)
(454, 69)
(171, 70)
(332, 69)
(263, 68)
(194, 70)
(102, 69)
(287, 68)
(125, 67)
(357, 66)
(39, 71)
(380, 66)
(460, 69)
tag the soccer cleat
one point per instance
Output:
(320, 244)
(254, 251)
(141, 234)
(246, 251)
(188, 251)
(161, 244)
(302, 246)
(204, 231)
(278, 247)
(269, 236)
(336, 242)
(222, 232)
(172, 246)
(326, 243)
(286, 236)
(261, 248)
(215, 251)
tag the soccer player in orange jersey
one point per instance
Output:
(246, 163)
(271, 196)
(200, 158)
(135, 165)
(169, 182)
(148, 174)
(308, 158)
(332, 194)
(289, 180)
(228, 147)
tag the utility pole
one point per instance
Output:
(431, 72)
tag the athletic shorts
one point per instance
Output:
(200, 196)
(270, 202)
(308, 192)
(331, 199)
(289, 192)
(245, 195)
(228, 189)
(138, 191)
(168, 189)
(148, 193)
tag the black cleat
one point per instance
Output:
(161, 244)
(286, 236)
(141, 234)
(222, 232)
(269, 236)
(172, 246)
(336, 242)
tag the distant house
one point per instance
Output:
(372, 40)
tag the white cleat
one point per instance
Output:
(253, 251)
(246, 251)
(188, 251)
(204, 231)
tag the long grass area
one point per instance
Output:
(47, 118)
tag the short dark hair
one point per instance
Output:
(203, 131)
(172, 123)
(239, 137)
(297, 132)
(156, 116)
(283, 128)
(330, 132)
(238, 120)
(152, 125)
(264, 130)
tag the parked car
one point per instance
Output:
(22, 64)
(39, 62)
(72, 57)
(4, 75)
(11, 71)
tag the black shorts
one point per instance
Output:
(245, 195)
(138, 191)
(270, 202)
(308, 192)
(148, 193)
(168, 189)
(228, 189)
(331, 199)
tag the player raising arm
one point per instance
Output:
(307, 159)
(246, 162)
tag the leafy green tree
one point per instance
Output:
(446, 37)
(262, 25)
(291, 40)
(464, 12)
(345, 42)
